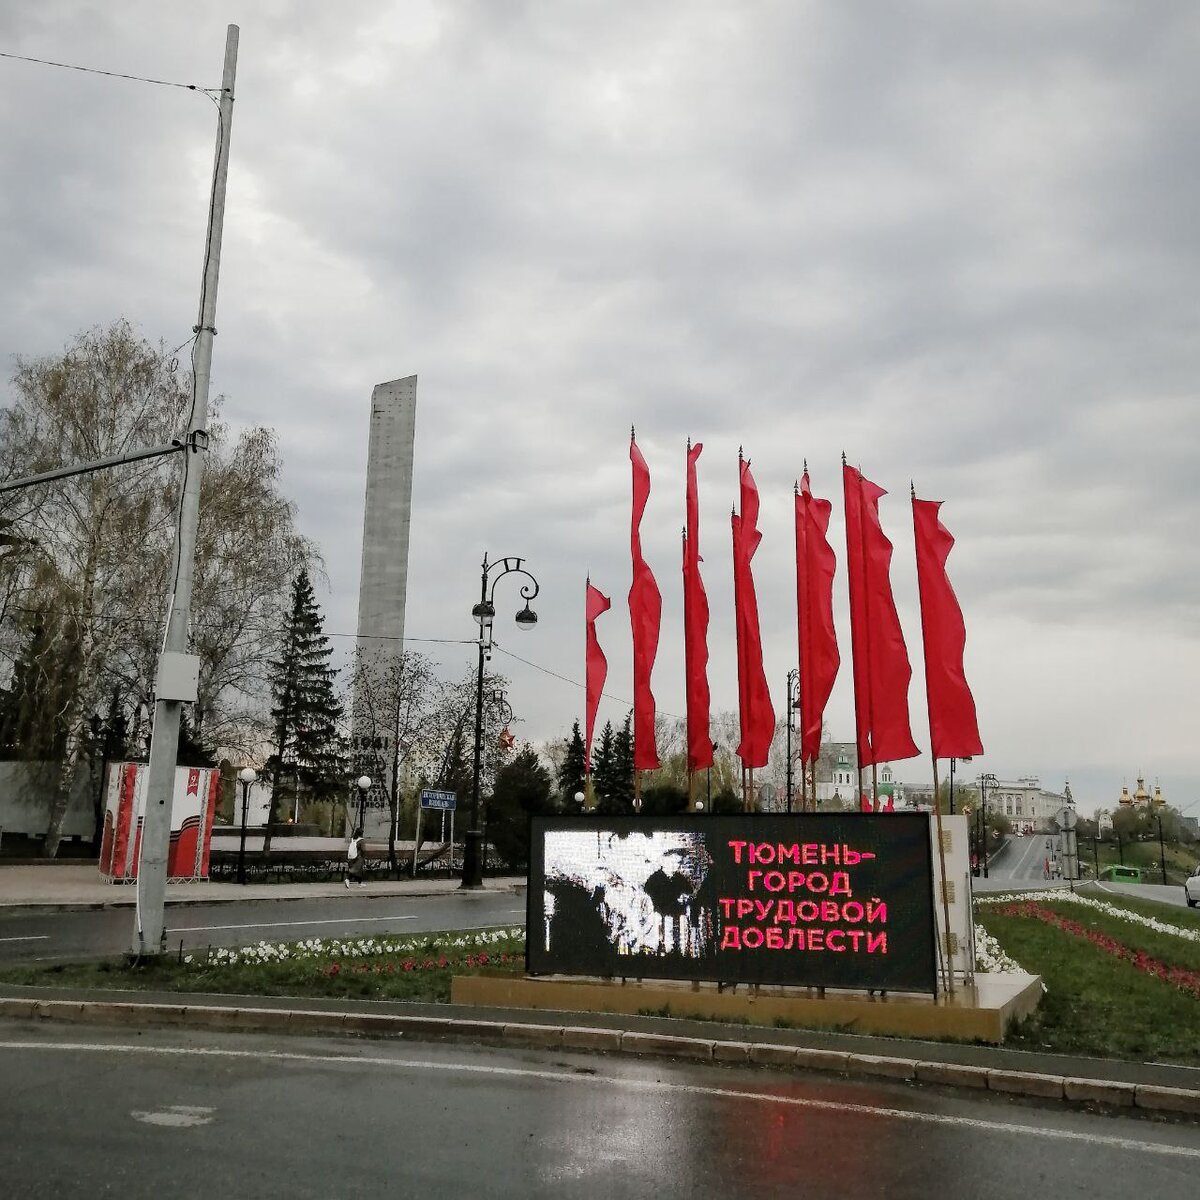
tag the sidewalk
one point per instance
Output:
(59, 887)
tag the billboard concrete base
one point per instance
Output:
(982, 1012)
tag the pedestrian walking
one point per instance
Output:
(356, 859)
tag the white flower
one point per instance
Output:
(1112, 910)
(990, 957)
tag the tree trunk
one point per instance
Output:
(62, 791)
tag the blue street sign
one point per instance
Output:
(443, 801)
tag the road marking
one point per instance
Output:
(646, 1085)
(287, 924)
(178, 1116)
(42, 937)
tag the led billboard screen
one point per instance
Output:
(817, 899)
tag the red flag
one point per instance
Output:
(881, 668)
(953, 727)
(864, 803)
(819, 658)
(890, 806)
(757, 711)
(597, 664)
(645, 616)
(695, 628)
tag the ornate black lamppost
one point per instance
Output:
(484, 613)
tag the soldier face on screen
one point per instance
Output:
(610, 896)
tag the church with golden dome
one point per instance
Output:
(1141, 798)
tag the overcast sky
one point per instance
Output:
(957, 241)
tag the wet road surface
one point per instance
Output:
(170, 1113)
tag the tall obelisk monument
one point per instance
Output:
(383, 585)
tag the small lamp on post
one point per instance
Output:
(246, 776)
(580, 799)
(363, 783)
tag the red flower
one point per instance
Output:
(1184, 979)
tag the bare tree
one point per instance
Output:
(102, 559)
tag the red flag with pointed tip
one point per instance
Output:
(819, 657)
(597, 664)
(890, 806)
(953, 726)
(695, 629)
(881, 667)
(645, 617)
(757, 711)
(864, 803)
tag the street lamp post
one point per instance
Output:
(247, 776)
(953, 761)
(984, 781)
(484, 613)
(1162, 850)
(363, 783)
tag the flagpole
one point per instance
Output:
(858, 755)
(687, 658)
(941, 843)
(937, 800)
(802, 532)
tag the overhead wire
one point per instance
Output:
(575, 682)
(49, 62)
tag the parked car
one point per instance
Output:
(1191, 888)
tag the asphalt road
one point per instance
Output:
(1171, 894)
(1022, 860)
(105, 932)
(168, 1113)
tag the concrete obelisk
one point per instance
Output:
(383, 585)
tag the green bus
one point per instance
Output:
(1115, 874)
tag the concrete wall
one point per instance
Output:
(26, 790)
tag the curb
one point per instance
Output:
(16, 908)
(1144, 1097)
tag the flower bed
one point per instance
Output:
(448, 945)
(1121, 913)
(1117, 987)
(1180, 977)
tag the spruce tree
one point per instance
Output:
(618, 799)
(308, 755)
(192, 750)
(522, 790)
(603, 765)
(573, 769)
(33, 711)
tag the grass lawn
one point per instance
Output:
(415, 969)
(1096, 1003)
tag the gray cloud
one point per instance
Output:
(954, 241)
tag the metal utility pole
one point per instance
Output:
(177, 670)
